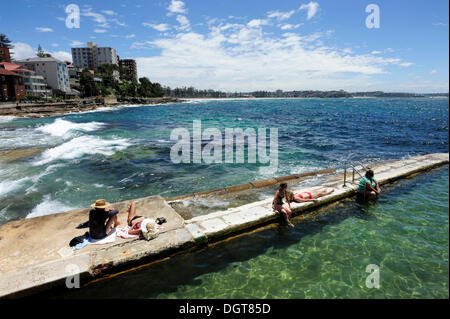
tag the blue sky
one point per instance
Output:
(237, 45)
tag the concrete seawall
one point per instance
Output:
(34, 253)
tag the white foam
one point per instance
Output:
(63, 128)
(80, 146)
(48, 206)
(8, 186)
(5, 119)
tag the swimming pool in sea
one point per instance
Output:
(405, 233)
(50, 165)
(54, 164)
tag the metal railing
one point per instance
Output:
(354, 169)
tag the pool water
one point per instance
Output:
(405, 233)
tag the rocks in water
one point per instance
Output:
(12, 155)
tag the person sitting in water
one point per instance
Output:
(102, 221)
(368, 187)
(310, 196)
(140, 224)
(279, 206)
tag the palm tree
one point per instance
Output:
(5, 42)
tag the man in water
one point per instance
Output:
(368, 187)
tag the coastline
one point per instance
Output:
(38, 110)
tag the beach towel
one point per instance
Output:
(123, 233)
(107, 240)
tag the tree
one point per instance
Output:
(87, 84)
(106, 72)
(5, 42)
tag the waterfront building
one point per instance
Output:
(130, 68)
(5, 55)
(93, 56)
(54, 71)
(34, 84)
(11, 86)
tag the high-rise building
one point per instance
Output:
(53, 70)
(130, 68)
(93, 56)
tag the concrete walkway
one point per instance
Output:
(34, 253)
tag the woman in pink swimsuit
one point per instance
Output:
(310, 196)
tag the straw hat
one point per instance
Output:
(100, 203)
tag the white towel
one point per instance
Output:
(107, 240)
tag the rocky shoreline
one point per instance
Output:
(37, 110)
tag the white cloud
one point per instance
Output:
(109, 12)
(159, 27)
(290, 26)
(55, 45)
(176, 7)
(22, 51)
(311, 7)
(141, 45)
(62, 55)
(130, 36)
(433, 71)
(97, 17)
(76, 43)
(376, 52)
(42, 29)
(406, 64)
(257, 23)
(184, 23)
(238, 57)
(280, 16)
(100, 30)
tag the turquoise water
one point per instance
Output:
(405, 233)
(124, 153)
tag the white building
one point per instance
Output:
(54, 71)
(93, 56)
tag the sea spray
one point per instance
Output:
(81, 146)
(63, 128)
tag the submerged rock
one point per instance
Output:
(9, 155)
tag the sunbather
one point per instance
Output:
(102, 221)
(140, 224)
(310, 196)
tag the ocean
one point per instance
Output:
(56, 164)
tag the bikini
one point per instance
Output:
(131, 221)
(301, 196)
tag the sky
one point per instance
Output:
(249, 45)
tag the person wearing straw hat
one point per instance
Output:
(102, 221)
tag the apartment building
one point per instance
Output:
(54, 71)
(93, 56)
(130, 68)
(34, 84)
(5, 55)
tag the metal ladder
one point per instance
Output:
(352, 166)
